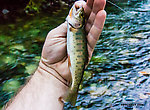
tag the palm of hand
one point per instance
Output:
(54, 52)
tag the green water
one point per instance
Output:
(113, 76)
(20, 49)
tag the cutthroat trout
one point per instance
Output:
(76, 49)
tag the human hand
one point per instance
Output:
(54, 53)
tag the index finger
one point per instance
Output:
(88, 7)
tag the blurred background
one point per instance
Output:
(118, 76)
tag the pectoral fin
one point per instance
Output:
(69, 62)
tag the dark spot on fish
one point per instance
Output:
(78, 34)
(78, 62)
(79, 50)
(79, 43)
(78, 38)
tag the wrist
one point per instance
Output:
(43, 89)
(45, 70)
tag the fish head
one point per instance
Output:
(76, 15)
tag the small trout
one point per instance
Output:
(76, 48)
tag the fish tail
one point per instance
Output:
(71, 97)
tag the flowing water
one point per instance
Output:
(118, 76)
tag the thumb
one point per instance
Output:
(58, 32)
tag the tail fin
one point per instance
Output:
(71, 97)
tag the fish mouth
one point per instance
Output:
(78, 8)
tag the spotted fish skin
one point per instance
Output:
(77, 52)
(77, 58)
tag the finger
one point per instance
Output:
(58, 32)
(88, 8)
(90, 3)
(97, 6)
(96, 30)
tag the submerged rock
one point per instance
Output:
(11, 85)
(145, 72)
(30, 69)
